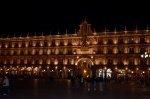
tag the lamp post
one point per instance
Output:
(145, 55)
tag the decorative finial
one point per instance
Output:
(50, 32)
(42, 33)
(35, 34)
(28, 34)
(125, 28)
(8, 35)
(85, 20)
(94, 30)
(147, 27)
(105, 30)
(136, 29)
(58, 32)
(21, 34)
(115, 30)
(75, 31)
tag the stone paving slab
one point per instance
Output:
(61, 89)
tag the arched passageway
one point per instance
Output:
(84, 66)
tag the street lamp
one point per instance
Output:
(145, 55)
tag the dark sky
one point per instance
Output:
(22, 17)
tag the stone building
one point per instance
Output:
(86, 52)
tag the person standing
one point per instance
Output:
(108, 80)
(81, 82)
(5, 85)
(142, 81)
(73, 82)
(89, 83)
(77, 81)
(100, 80)
(94, 82)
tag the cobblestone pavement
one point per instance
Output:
(61, 89)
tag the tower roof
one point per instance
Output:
(85, 29)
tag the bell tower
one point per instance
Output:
(85, 29)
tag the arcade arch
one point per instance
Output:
(84, 66)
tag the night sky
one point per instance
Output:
(22, 17)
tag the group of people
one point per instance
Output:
(5, 85)
(94, 81)
(91, 82)
(77, 82)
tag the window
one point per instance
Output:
(110, 51)
(131, 61)
(142, 40)
(131, 50)
(142, 50)
(110, 61)
(131, 40)
(120, 50)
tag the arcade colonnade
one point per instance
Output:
(84, 66)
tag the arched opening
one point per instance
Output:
(84, 67)
(104, 72)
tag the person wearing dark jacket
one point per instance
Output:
(89, 83)
(100, 81)
(5, 86)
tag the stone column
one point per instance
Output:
(48, 71)
(93, 70)
(64, 73)
(74, 71)
(40, 71)
(56, 72)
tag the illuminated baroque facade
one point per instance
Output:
(115, 53)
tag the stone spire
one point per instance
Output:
(8, 35)
(94, 33)
(21, 34)
(105, 30)
(50, 32)
(42, 33)
(85, 20)
(94, 30)
(35, 34)
(75, 31)
(14, 35)
(28, 34)
(125, 28)
(147, 27)
(115, 30)
(66, 32)
(58, 32)
(136, 29)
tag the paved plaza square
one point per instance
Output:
(62, 89)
